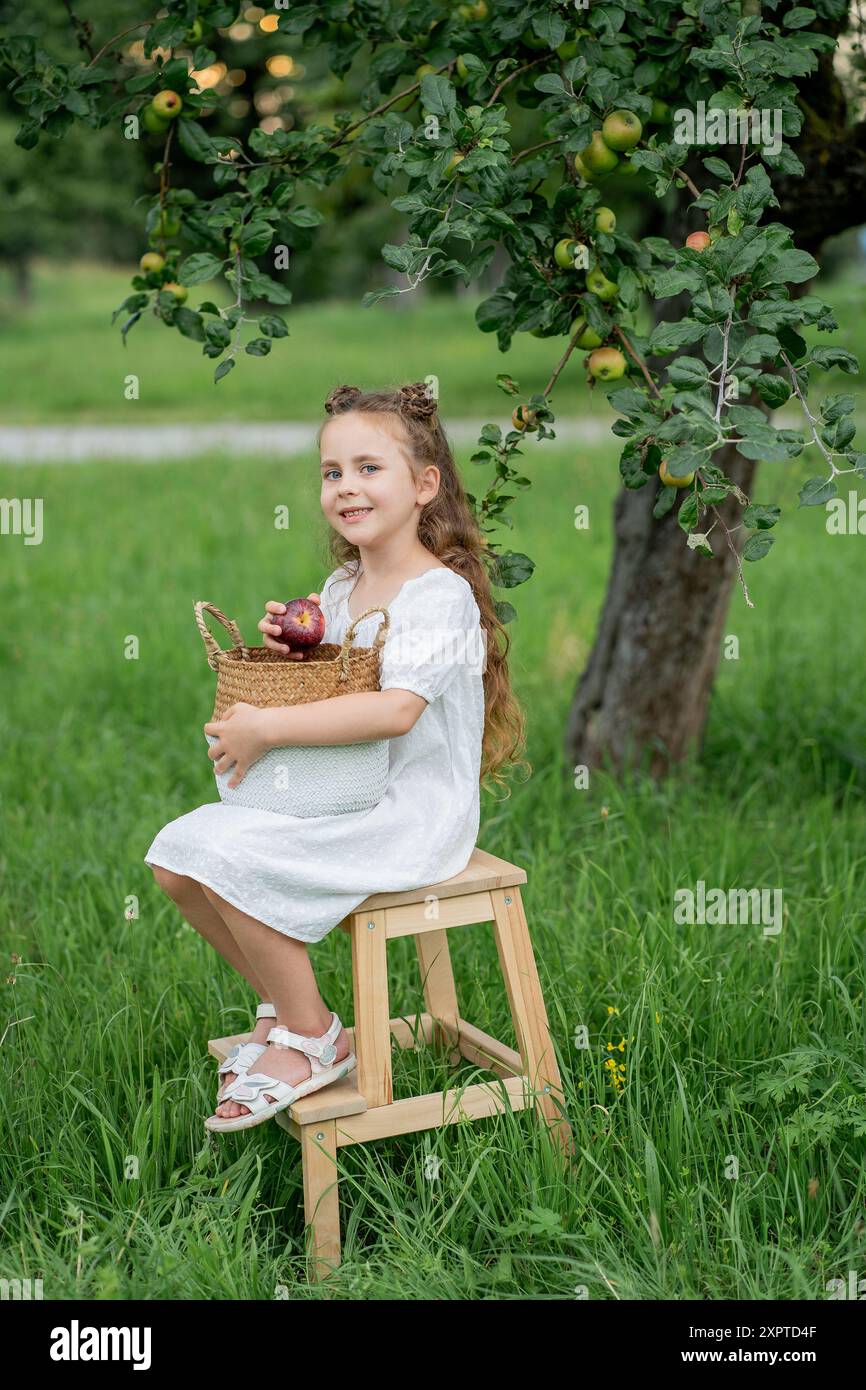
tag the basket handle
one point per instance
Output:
(213, 647)
(378, 641)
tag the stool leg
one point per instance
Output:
(437, 981)
(531, 1026)
(321, 1197)
(372, 1018)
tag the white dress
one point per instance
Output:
(302, 875)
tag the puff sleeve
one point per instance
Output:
(437, 633)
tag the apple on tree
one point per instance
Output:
(605, 220)
(607, 364)
(598, 156)
(698, 241)
(167, 105)
(151, 262)
(152, 122)
(179, 292)
(583, 169)
(167, 224)
(599, 285)
(586, 336)
(621, 130)
(522, 418)
(670, 481)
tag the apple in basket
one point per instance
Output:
(302, 624)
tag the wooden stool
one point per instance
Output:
(360, 1107)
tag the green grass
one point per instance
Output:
(61, 360)
(727, 1032)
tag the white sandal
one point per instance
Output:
(250, 1090)
(243, 1055)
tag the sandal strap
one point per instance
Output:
(252, 1089)
(320, 1050)
(266, 1011)
(241, 1057)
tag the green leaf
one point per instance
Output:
(223, 369)
(512, 569)
(664, 501)
(505, 612)
(757, 546)
(303, 216)
(774, 390)
(816, 491)
(829, 357)
(799, 17)
(719, 168)
(190, 324)
(195, 142)
(688, 372)
(761, 517)
(258, 347)
(263, 287)
(667, 337)
(834, 407)
(437, 94)
(789, 266)
(687, 516)
(196, 269)
(274, 326)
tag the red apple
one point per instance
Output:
(698, 241)
(302, 624)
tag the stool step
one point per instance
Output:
(342, 1097)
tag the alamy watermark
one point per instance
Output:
(22, 516)
(740, 126)
(715, 907)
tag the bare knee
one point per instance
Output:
(175, 885)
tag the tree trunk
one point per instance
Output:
(647, 685)
(646, 688)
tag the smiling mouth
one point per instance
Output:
(357, 511)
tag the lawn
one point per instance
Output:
(61, 361)
(734, 1044)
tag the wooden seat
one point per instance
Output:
(361, 1107)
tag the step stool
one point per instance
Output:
(360, 1107)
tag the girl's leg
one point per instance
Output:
(198, 910)
(283, 964)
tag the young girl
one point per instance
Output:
(260, 886)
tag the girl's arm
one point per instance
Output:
(358, 718)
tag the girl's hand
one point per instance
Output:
(241, 739)
(271, 630)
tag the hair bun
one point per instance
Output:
(342, 398)
(416, 400)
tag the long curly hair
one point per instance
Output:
(449, 531)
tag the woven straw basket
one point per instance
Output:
(301, 780)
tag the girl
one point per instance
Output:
(260, 886)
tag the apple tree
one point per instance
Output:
(730, 114)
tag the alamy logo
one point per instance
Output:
(22, 516)
(76, 1343)
(20, 1289)
(717, 908)
(733, 127)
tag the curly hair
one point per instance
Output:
(448, 529)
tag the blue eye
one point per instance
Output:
(371, 465)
